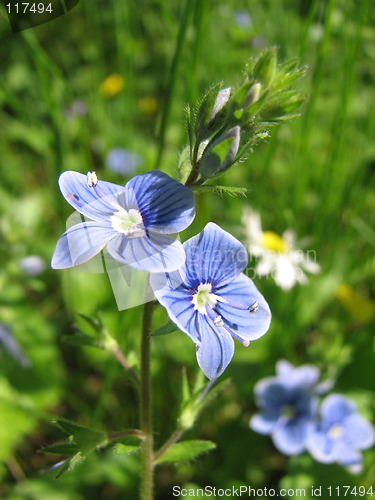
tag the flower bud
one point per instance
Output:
(252, 96)
(221, 153)
(265, 67)
(221, 100)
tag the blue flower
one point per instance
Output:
(132, 221)
(121, 161)
(288, 406)
(32, 265)
(211, 300)
(341, 433)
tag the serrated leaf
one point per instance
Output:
(125, 449)
(168, 327)
(86, 439)
(61, 449)
(186, 450)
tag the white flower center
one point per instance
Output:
(203, 295)
(127, 222)
(335, 432)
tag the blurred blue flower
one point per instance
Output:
(33, 265)
(211, 300)
(288, 406)
(76, 108)
(122, 161)
(12, 347)
(132, 221)
(243, 18)
(341, 433)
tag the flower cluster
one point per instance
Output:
(200, 283)
(291, 412)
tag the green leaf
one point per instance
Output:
(86, 439)
(125, 449)
(82, 339)
(61, 449)
(168, 327)
(186, 450)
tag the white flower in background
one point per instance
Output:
(277, 255)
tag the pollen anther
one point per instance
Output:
(254, 307)
(92, 179)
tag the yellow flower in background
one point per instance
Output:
(112, 85)
(358, 305)
(277, 255)
(148, 104)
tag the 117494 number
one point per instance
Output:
(24, 7)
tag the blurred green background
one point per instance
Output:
(100, 78)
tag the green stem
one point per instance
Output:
(172, 81)
(172, 439)
(147, 478)
(124, 362)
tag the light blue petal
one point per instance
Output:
(153, 252)
(249, 326)
(321, 447)
(80, 243)
(93, 202)
(358, 431)
(177, 299)
(265, 422)
(336, 408)
(346, 454)
(214, 256)
(166, 206)
(304, 376)
(215, 350)
(290, 436)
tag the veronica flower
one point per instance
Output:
(121, 161)
(211, 300)
(341, 433)
(288, 406)
(132, 221)
(32, 265)
(277, 255)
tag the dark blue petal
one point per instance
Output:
(335, 408)
(358, 431)
(152, 252)
(80, 243)
(177, 300)
(215, 350)
(166, 206)
(271, 394)
(214, 256)
(93, 202)
(249, 326)
(290, 436)
(265, 422)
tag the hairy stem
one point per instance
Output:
(123, 361)
(147, 478)
(172, 439)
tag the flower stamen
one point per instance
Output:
(219, 322)
(92, 179)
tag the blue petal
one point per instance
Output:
(249, 326)
(321, 447)
(265, 422)
(290, 436)
(270, 393)
(358, 431)
(335, 408)
(304, 376)
(93, 202)
(152, 252)
(214, 256)
(177, 299)
(80, 243)
(346, 454)
(166, 206)
(216, 348)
